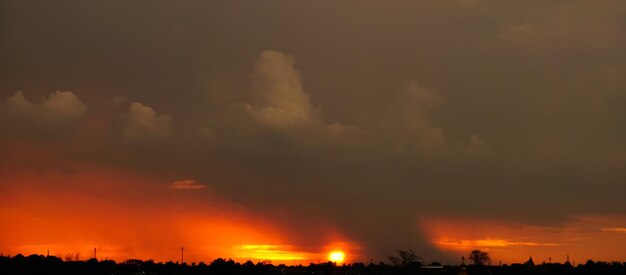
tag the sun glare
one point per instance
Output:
(279, 253)
(336, 256)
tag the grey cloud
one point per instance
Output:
(142, 123)
(519, 33)
(119, 101)
(64, 104)
(277, 94)
(276, 109)
(407, 123)
(279, 102)
(58, 107)
(19, 104)
(475, 146)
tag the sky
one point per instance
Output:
(284, 130)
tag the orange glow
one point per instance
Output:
(599, 238)
(341, 251)
(483, 243)
(615, 229)
(52, 205)
(263, 252)
(336, 256)
(73, 213)
(124, 215)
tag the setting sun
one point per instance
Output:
(336, 256)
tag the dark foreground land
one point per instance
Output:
(38, 264)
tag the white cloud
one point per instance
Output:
(60, 106)
(278, 99)
(19, 103)
(64, 104)
(141, 122)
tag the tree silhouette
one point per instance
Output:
(478, 257)
(407, 258)
(408, 263)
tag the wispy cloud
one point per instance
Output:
(186, 185)
(486, 243)
(614, 229)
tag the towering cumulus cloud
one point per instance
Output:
(278, 99)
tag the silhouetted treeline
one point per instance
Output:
(38, 264)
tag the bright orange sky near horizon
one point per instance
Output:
(584, 238)
(139, 223)
(155, 226)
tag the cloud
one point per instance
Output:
(59, 106)
(475, 146)
(186, 185)
(614, 229)
(486, 243)
(523, 32)
(407, 122)
(277, 108)
(20, 104)
(278, 99)
(119, 100)
(206, 132)
(64, 104)
(141, 123)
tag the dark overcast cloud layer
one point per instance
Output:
(362, 114)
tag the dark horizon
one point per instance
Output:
(39, 264)
(398, 259)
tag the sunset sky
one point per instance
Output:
(303, 131)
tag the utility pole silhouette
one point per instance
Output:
(182, 253)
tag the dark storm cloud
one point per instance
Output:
(364, 114)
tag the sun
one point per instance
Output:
(336, 256)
